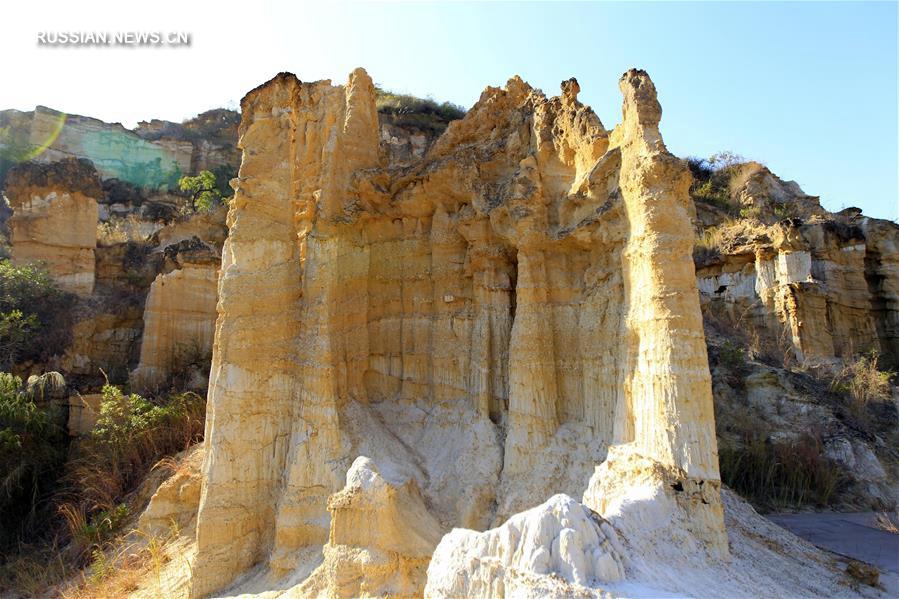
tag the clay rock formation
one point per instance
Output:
(179, 317)
(154, 153)
(557, 549)
(636, 529)
(381, 539)
(54, 220)
(532, 273)
(174, 503)
(827, 286)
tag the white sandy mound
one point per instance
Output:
(553, 550)
(666, 524)
(658, 535)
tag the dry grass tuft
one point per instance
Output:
(33, 569)
(863, 383)
(123, 566)
(888, 523)
(120, 230)
(778, 474)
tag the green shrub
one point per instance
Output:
(732, 356)
(85, 501)
(104, 524)
(753, 212)
(35, 315)
(712, 177)
(32, 449)
(131, 434)
(101, 567)
(223, 175)
(714, 191)
(423, 113)
(206, 189)
(784, 211)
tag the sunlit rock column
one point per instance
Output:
(54, 221)
(253, 380)
(336, 134)
(668, 388)
(179, 320)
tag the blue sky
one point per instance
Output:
(808, 88)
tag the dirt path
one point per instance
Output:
(850, 535)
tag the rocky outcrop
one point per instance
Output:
(153, 155)
(179, 317)
(751, 190)
(381, 538)
(83, 413)
(632, 535)
(54, 220)
(759, 191)
(212, 135)
(826, 287)
(557, 549)
(174, 503)
(881, 262)
(532, 271)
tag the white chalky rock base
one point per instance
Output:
(553, 550)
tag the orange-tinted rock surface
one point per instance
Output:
(532, 274)
(54, 220)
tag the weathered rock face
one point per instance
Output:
(827, 287)
(110, 240)
(757, 192)
(882, 276)
(175, 501)
(154, 154)
(557, 549)
(83, 413)
(179, 317)
(403, 143)
(54, 220)
(530, 277)
(381, 539)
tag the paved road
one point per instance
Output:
(851, 535)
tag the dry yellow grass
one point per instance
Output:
(887, 522)
(120, 230)
(134, 561)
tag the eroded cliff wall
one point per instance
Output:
(824, 289)
(179, 318)
(155, 153)
(54, 220)
(485, 321)
(94, 204)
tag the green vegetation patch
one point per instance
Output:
(208, 190)
(35, 315)
(422, 113)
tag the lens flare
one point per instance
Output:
(15, 140)
(57, 129)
